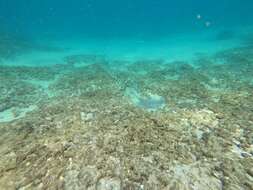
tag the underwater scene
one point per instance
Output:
(126, 95)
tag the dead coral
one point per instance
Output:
(89, 136)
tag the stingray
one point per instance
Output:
(151, 103)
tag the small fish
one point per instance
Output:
(199, 16)
(207, 23)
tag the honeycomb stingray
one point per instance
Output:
(150, 102)
(15, 113)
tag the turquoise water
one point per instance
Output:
(140, 95)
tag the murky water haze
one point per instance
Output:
(121, 18)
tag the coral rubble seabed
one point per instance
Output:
(86, 130)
